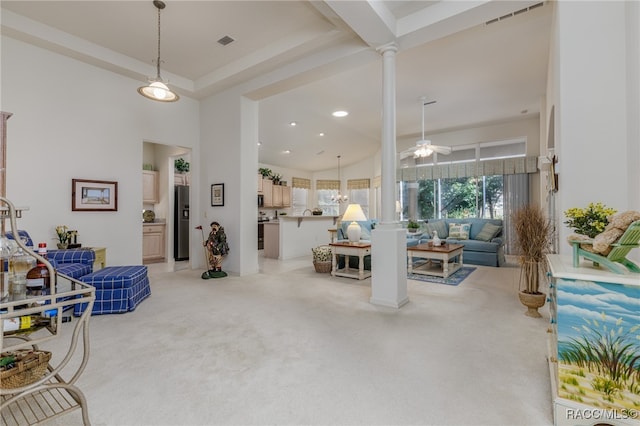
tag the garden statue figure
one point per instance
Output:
(217, 247)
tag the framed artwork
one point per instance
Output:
(217, 194)
(94, 195)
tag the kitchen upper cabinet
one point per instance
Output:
(149, 187)
(286, 196)
(277, 196)
(267, 192)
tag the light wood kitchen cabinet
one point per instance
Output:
(267, 192)
(277, 196)
(181, 178)
(153, 243)
(149, 186)
(286, 196)
(271, 240)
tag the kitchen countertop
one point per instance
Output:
(307, 217)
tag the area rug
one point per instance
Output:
(453, 279)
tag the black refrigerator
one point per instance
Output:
(181, 223)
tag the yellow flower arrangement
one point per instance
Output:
(589, 221)
(63, 236)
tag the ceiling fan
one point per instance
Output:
(423, 147)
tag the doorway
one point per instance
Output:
(162, 158)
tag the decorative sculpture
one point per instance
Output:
(216, 248)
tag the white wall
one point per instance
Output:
(73, 120)
(229, 155)
(595, 93)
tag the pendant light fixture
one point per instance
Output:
(157, 90)
(339, 198)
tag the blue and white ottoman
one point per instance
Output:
(118, 289)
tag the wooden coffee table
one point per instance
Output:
(449, 257)
(349, 249)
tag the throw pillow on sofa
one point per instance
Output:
(439, 226)
(459, 231)
(489, 232)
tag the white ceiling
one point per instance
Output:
(304, 59)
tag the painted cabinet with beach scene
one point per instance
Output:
(594, 345)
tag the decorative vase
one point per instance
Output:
(62, 246)
(435, 240)
(533, 302)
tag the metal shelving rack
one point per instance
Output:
(50, 396)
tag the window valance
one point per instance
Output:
(303, 183)
(504, 166)
(327, 184)
(358, 184)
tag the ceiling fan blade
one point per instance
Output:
(406, 154)
(446, 150)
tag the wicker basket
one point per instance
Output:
(30, 365)
(322, 267)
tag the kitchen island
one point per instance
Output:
(297, 235)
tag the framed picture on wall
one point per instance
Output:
(94, 195)
(217, 194)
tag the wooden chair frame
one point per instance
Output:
(616, 261)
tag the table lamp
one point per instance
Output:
(353, 214)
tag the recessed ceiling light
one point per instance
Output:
(286, 151)
(340, 113)
(293, 124)
(321, 134)
(259, 143)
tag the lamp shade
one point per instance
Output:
(353, 214)
(158, 91)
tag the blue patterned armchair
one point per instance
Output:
(74, 263)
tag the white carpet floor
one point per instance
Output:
(289, 346)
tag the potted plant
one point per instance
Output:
(181, 165)
(265, 172)
(533, 235)
(322, 258)
(62, 231)
(413, 226)
(276, 177)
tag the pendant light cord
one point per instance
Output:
(422, 117)
(158, 61)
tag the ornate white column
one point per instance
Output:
(388, 240)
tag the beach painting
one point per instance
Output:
(598, 356)
(94, 195)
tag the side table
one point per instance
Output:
(349, 249)
(101, 258)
